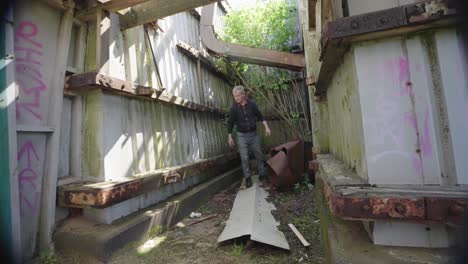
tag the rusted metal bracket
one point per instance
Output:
(338, 35)
(82, 83)
(105, 194)
(356, 200)
(195, 54)
(266, 57)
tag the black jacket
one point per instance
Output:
(244, 117)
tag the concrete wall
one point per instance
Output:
(391, 101)
(406, 108)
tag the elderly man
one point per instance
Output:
(244, 115)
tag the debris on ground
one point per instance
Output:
(196, 243)
(195, 214)
(251, 216)
(299, 235)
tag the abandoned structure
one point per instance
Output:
(389, 98)
(107, 109)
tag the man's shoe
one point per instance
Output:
(248, 182)
(242, 187)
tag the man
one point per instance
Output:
(244, 114)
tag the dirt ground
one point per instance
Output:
(195, 242)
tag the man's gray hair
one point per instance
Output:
(239, 88)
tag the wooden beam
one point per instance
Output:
(155, 9)
(340, 34)
(299, 235)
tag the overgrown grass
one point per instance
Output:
(236, 249)
(48, 257)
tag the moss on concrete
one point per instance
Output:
(345, 117)
(92, 125)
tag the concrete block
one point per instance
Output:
(410, 234)
(81, 235)
(112, 213)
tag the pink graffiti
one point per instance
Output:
(28, 52)
(410, 118)
(400, 66)
(26, 31)
(426, 146)
(404, 77)
(417, 164)
(28, 178)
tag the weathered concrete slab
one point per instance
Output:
(81, 235)
(251, 215)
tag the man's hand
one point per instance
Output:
(230, 141)
(267, 129)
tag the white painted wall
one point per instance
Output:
(395, 86)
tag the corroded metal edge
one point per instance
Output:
(105, 194)
(339, 34)
(394, 207)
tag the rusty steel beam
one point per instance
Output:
(393, 207)
(155, 9)
(242, 53)
(94, 80)
(82, 83)
(105, 194)
(338, 35)
(446, 209)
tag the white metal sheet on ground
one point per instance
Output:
(251, 215)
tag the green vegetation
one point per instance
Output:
(268, 24)
(237, 249)
(48, 257)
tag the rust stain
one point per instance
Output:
(287, 163)
(102, 198)
(446, 209)
(172, 177)
(426, 209)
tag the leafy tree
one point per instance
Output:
(269, 24)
